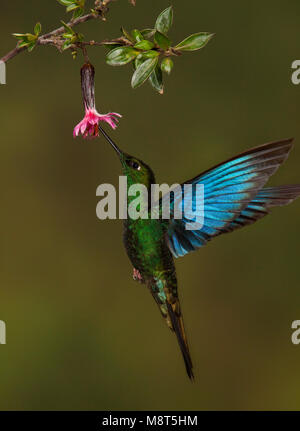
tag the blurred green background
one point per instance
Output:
(81, 334)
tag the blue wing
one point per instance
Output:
(261, 204)
(229, 188)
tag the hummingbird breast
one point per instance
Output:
(144, 240)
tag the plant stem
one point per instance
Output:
(45, 39)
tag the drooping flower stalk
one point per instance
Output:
(88, 127)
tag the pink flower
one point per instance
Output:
(88, 127)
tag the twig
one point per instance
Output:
(58, 43)
(118, 41)
(46, 38)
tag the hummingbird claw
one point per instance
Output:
(137, 276)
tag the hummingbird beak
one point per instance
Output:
(115, 147)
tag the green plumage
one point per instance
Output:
(144, 240)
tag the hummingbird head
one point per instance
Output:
(136, 171)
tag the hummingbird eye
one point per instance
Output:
(135, 165)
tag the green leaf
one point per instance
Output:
(31, 47)
(167, 65)
(139, 60)
(28, 38)
(156, 80)
(78, 12)
(143, 72)
(19, 36)
(71, 7)
(144, 45)
(80, 37)
(121, 56)
(126, 34)
(162, 41)
(74, 5)
(194, 42)
(164, 20)
(147, 33)
(65, 2)
(31, 37)
(38, 29)
(144, 56)
(150, 54)
(137, 35)
(111, 43)
(68, 28)
(66, 45)
(23, 43)
(111, 47)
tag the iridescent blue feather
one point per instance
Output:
(233, 196)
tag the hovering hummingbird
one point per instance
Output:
(234, 196)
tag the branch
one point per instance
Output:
(44, 39)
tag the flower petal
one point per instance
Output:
(88, 126)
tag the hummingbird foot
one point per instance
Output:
(137, 276)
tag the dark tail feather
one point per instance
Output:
(177, 323)
(169, 307)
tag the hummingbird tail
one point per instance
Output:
(178, 327)
(169, 306)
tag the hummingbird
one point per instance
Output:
(234, 196)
